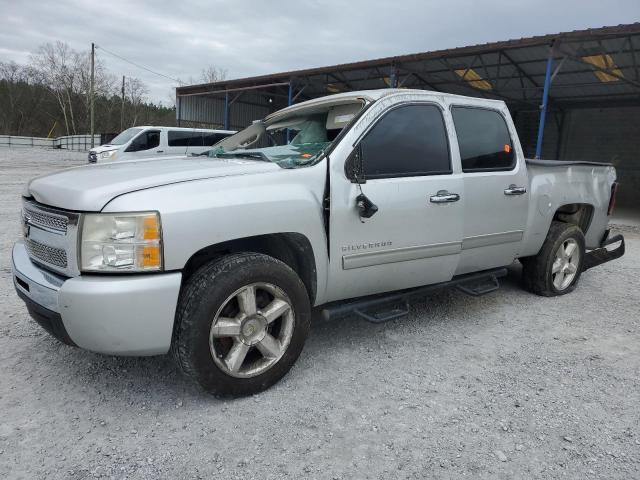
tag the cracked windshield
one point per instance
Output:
(291, 141)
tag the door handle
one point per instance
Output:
(513, 190)
(444, 197)
(159, 151)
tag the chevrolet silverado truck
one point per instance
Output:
(353, 204)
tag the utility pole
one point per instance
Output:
(122, 108)
(93, 55)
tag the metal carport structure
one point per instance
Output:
(546, 81)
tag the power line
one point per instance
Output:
(139, 66)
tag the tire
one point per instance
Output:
(219, 345)
(538, 271)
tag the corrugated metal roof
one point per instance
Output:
(514, 69)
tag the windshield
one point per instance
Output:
(125, 136)
(290, 141)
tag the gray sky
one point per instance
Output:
(254, 37)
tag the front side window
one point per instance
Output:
(145, 141)
(484, 140)
(408, 141)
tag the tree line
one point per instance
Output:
(50, 96)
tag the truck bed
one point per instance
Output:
(556, 183)
(565, 163)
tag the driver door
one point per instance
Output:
(145, 145)
(415, 237)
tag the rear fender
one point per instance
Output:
(577, 194)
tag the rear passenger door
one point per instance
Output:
(495, 183)
(183, 142)
(415, 236)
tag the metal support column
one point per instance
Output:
(178, 110)
(92, 94)
(290, 102)
(393, 77)
(226, 110)
(545, 100)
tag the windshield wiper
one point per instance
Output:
(252, 155)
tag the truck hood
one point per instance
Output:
(105, 148)
(89, 188)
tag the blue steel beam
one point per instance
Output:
(545, 102)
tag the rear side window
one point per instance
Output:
(209, 139)
(408, 141)
(484, 140)
(177, 138)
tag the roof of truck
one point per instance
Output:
(373, 95)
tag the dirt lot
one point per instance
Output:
(509, 385)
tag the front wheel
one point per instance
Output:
(241, 323)
(556, 269)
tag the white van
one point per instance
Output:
(147, 141)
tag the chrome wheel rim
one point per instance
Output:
(252, 330)
(566, 264)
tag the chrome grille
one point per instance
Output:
(50, 236)
(45, 219)
(47, 254)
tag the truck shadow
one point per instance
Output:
(157, 382)
(444, 309)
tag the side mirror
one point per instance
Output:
(366, 208)
(354, 168)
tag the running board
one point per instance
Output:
(480, 287)
(389, 306)
(384, 313)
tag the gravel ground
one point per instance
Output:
(508, 385)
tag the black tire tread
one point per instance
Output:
(192, 292)
(535, 272)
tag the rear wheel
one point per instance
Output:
(241, 324)
(556, 269)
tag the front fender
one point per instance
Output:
(197, 214)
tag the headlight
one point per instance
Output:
(121, 242)
(110, 154)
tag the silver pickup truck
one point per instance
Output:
(353, 203)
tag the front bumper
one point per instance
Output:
(119, 315)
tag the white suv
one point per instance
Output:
(147, 141)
